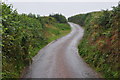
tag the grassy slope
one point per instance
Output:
(53, 32)
(99, 46)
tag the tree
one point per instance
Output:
(59, 17)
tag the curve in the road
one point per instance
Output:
(60, 59)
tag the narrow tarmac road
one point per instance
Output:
(60, 59)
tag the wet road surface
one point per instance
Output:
(60, 59)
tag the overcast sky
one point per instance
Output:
(65, 8)
(61, 0)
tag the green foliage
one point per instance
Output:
(100, 44)
(23, 36)
(78, 19)
(60, 18)
(104, 19)
(32, 15)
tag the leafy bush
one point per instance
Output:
(23, 36)
(100, 44)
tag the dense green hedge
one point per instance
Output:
(100, 44)
(23, 36)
